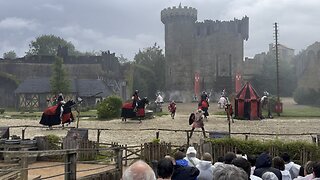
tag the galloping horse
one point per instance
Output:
(127, 110)
(51, 116)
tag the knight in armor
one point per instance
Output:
(204, 104)
(196, 120)
(135, 98)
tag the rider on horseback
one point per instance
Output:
(135, 98)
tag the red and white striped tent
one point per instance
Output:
(247, 103)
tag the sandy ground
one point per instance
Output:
(133, 135)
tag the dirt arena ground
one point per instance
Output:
(133, 135)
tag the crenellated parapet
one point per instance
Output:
(181, 12)
(208, 27)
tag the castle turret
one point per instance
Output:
(179, 41)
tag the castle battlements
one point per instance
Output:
(207, 27)
(168, 13)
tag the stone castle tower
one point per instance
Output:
(214, 49)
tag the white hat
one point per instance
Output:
(191, 150)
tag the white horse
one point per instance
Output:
(222, 102)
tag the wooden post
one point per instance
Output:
(157, 134)
(70, 167)
(24, 166)
(229, 127)
(118, 153)
(126, 155)
(188, 139)
(23, 133)
(98, 136)
(246, 137)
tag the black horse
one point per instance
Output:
(51, 116)
(127, 110)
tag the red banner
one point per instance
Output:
(238, 82)
(196, 84)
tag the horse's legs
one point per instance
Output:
(191, 132)
(204, 132)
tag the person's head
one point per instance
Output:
(278, 163)
(139, 170)
(252, 160)
(165, 168)
(316, 169)
(243, 164)
(228, 157)
(229, 172)
(191, 152)
(264, 160)
(220, 159)
(308, 168)
(269, 176)
(286, 157)
(136, 91)
(179, 155)
(207, 157)
(60, 97)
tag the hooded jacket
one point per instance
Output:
(293, 169)
(263, 164)
(184, 173)
(206, 170)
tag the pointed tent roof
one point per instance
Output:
(247, 92)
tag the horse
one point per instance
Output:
(127, 110)
(51, 115)
(222, 102)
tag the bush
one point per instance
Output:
(306, 96)
(54, 142)
(275, 147)
(109, 108)
(2, 110)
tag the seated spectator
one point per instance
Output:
(308, 171)
(139, 170)
(269, 176)
(228, 157)
(205, 167)
(278, 163)
(220, 161)
(229, 172)
(193, 161)
(181, 169)
(252, 160)
(316, 171)
(245, 165)
(263, 164)
(165, 168)
(292, 167)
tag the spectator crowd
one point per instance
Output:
(186, 166)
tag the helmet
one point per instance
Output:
(136, 91)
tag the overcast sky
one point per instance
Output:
(125, 26)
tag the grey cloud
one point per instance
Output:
(125, 26)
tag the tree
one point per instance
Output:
(9, 55)
(149, 70)
(59, 81)
(48, 45)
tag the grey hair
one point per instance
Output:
(229, 172)
(269, 176)
(139, 171)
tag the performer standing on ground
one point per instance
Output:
(172, 108)
(204, 104)
(197, 118)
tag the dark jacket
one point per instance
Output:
(263, 164)
(185, 173)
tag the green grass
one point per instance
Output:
(291, 112)
(161, 114)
